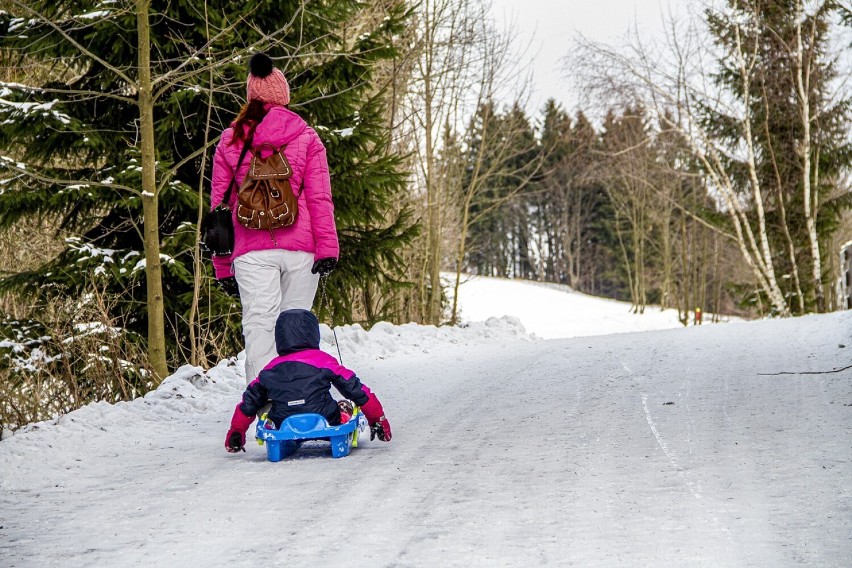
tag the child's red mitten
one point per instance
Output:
(379, 425)
(381, 429)
(235, 440)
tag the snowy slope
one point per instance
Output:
(553, 311)
(723, 445)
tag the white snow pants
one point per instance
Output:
(271, 281)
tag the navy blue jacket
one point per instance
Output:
(299, 379)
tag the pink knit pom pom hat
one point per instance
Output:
(265, 82)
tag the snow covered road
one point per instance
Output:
(680, 447)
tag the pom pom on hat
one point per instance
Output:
(260, 65)
(265, 82)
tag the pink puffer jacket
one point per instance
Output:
(314, 230)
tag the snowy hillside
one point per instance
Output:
(552, 311)
(719, 445)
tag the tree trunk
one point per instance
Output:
(151, 223)
(685, 300)
(454, 318)
(433, 212)
(765, 255)
(627, 264)
(197, 356)
(810, 205)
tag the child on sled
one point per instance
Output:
(299, 380)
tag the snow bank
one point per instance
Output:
(192, 390)
(384, 338)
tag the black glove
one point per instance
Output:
(381, 429)
(229, 286)
(236, 442)
(324, 266)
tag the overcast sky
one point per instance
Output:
(549, 27)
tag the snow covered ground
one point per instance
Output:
(719, 445)
(552, 311)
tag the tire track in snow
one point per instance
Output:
(670, 455)
(692, 486)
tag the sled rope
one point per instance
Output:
(323, 299)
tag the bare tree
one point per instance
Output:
(675, 92)
(628, 178)
(766, 71)
(444, 66)
(804, 69)
(501, 157)
(458, 61)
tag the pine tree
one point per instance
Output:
(522, 136)
(628, 169)
(571, 211)
(71, 141)
(503, 161)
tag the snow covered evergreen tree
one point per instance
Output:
(73, 141)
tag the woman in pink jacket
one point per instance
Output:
(276, 270)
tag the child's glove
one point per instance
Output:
(381, 429)
(379, 425)
(235, 441)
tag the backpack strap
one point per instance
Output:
(279, 150)
(269, 145)
(227, 197)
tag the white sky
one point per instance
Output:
(547, 29)
(550, 26)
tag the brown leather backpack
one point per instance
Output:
(266, 199)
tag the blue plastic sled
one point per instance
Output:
(296, 429)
